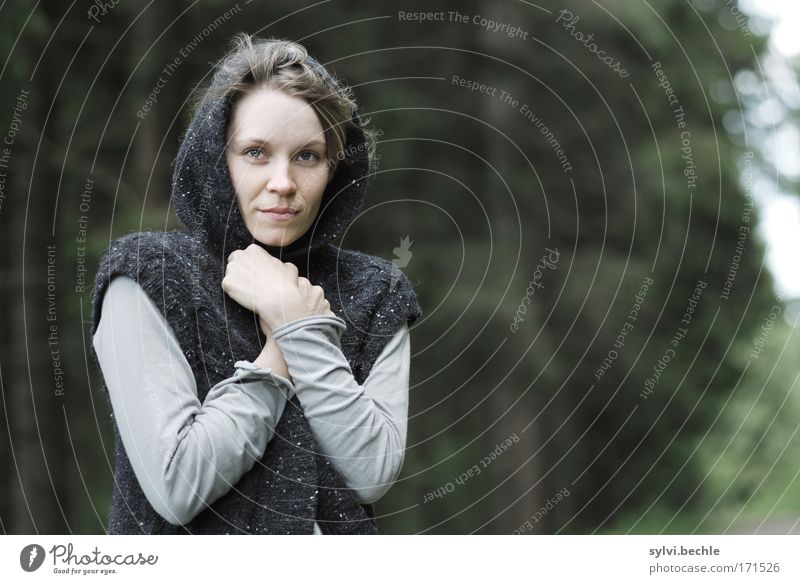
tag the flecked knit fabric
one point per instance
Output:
(293, 485)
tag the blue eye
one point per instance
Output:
(249, 152)
(314, 156)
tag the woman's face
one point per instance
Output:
(277, 161)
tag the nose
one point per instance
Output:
(280, 179)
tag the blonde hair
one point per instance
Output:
(252, 64)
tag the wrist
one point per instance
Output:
(272, 319)
(266, 328)
(270, 324)
(271, 358)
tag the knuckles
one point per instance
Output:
(240, 262)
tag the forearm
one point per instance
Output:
(362, 429)
(185, 454)
(220, 443)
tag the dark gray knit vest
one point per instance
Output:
(293, 484)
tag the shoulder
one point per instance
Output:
(380, 279)
(138, 253)
(150, 258)
(126, 304)
(371, 265)
(147, 245)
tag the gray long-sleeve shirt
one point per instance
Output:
(186, 454)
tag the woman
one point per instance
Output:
(257, 373)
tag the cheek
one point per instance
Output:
(231, 162)
(242, 179)
(314, 186)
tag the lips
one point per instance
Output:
(279, 213)
(282, 210)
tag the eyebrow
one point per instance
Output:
(255, 140)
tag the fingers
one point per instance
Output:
(253, 249)
(309, 289)
(318, 296)
(315, 296)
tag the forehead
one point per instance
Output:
(270, 115)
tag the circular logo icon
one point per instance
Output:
(31, 557)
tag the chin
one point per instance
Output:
(276, 239)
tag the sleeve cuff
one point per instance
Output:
(339, 325)
(249, 370)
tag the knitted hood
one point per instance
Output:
(204, 198)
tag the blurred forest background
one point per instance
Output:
(641, 378)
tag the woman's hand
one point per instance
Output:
(271, 288)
